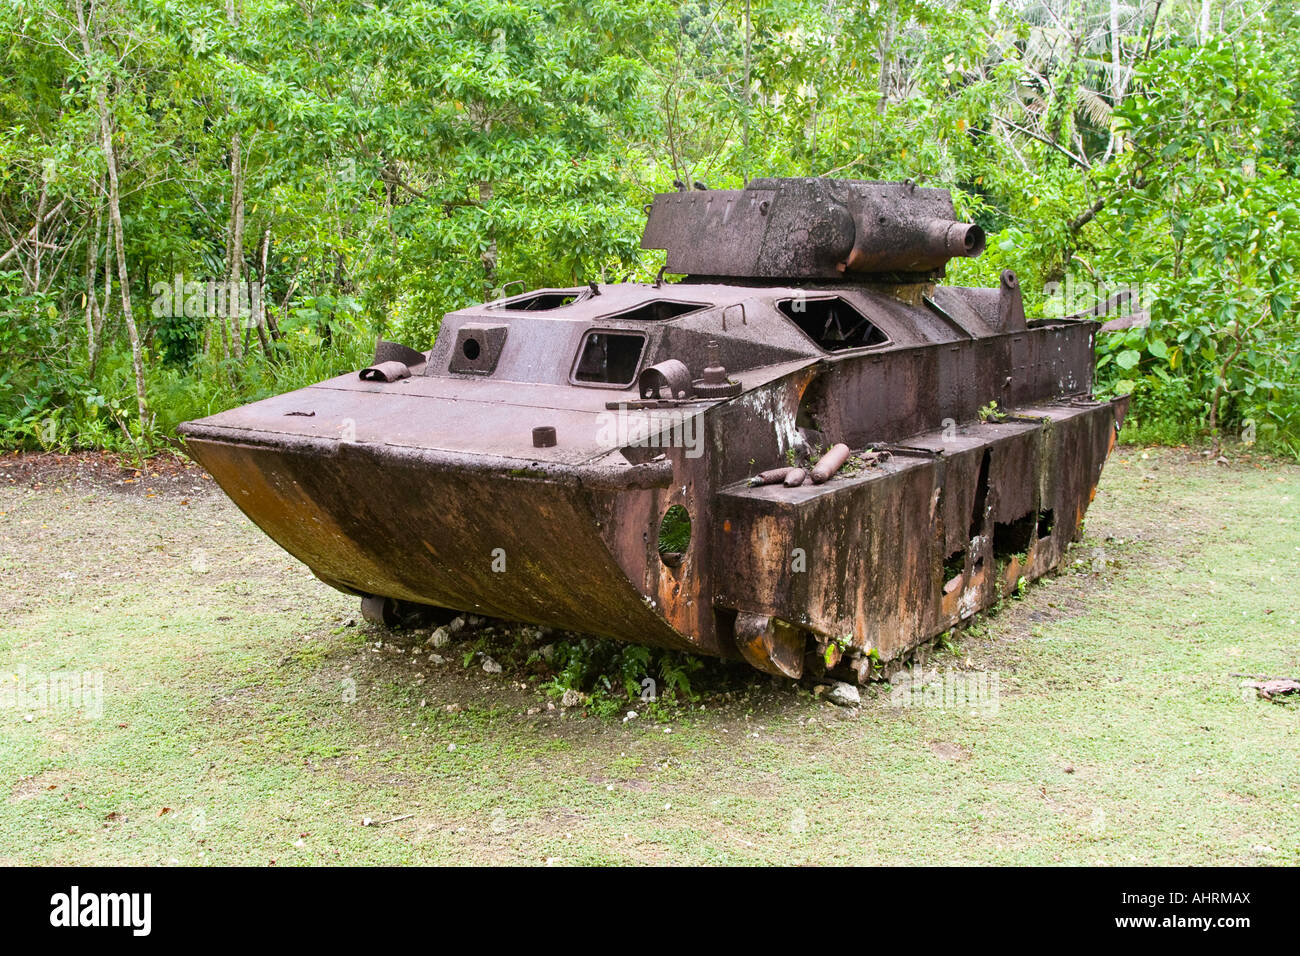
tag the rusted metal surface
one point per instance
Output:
(809, 229)
(386, 372)
(807, 394)
(772, 477)
(670, 379)
(830, 463)
(715, 383)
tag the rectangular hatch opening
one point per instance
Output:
(541, 301)
(656, 310)
(609, 358)
(832, 323)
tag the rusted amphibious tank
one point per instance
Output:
(805, 447)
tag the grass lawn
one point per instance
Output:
(250, 717)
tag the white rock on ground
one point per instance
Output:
(490, 666)
(846, 695)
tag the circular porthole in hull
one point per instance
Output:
(674, 536)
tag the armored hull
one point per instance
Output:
(524, 467)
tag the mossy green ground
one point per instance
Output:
(227, 736)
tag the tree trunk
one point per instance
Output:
(259, 303)
(489, 256)
(1116, 82)
(35, 275)
(886, 56)
(94, 318)
(235, 234)
(106, 303)
(235, 245)
(749, 38)
(268, 316)
(115, 220)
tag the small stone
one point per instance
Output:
(630, 715)
(490, 666)
(845, 695)
(437, 659)
(439, 638)
(453, 708)
(456, 624)
(547, 651)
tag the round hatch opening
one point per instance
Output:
(471, 348)
(674, 536)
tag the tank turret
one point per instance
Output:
(801, 229)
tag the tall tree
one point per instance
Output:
(91, 28)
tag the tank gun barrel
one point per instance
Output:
(914, 245)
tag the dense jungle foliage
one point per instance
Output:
(360, 167)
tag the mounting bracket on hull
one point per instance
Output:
(394, 612)
(771, 645)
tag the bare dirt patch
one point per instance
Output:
(41, 784)
(164, 475)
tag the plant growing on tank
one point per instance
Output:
(674, 535)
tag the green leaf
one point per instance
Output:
(1128, 359)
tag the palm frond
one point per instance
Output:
(1094, 106)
